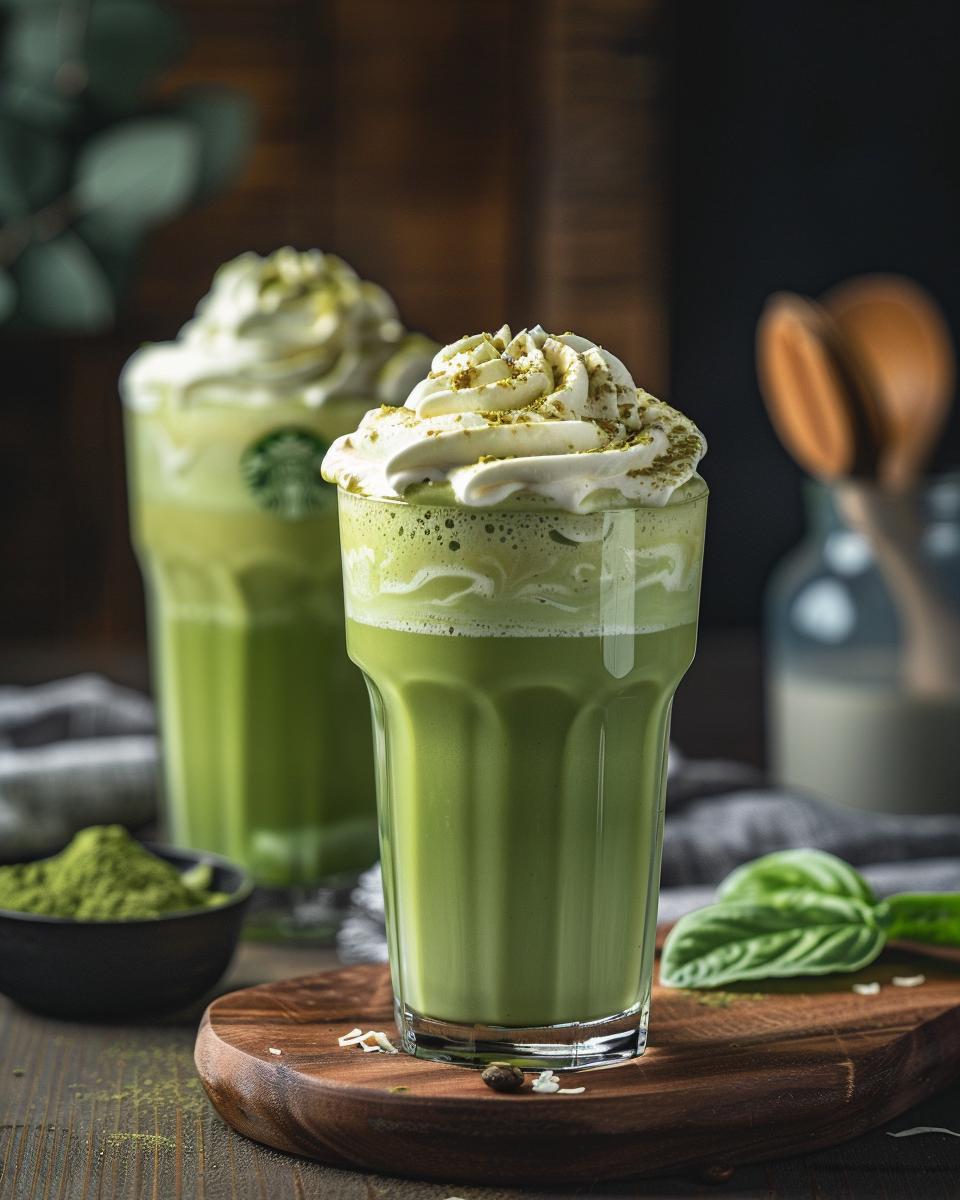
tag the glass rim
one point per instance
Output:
(700, 495)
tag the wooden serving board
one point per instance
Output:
(729, 1077)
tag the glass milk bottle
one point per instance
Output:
(850, 716)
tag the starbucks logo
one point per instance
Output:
(282, 470)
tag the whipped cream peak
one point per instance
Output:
(551, 415)
(296, 326)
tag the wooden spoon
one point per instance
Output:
(816, 391)
(898, 331)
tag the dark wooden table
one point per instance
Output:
(111, 1111)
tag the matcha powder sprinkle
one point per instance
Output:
(104, 875)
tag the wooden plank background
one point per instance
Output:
(503, 163)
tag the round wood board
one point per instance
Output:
(729, 1077)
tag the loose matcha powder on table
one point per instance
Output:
(104, 875)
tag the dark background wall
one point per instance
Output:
(644, 170)
(813, 140)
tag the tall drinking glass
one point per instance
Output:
(267, 747)
(521, 663)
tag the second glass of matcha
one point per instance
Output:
(264, 722)
(521, 548)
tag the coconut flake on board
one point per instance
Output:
(909, 980)
(547, 1083)
(374, 1041)
(924, 1129)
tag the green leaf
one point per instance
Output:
(62, 286)
(116, 248)
(812, 870)
(128, 46)
(138, 172)
(110, 54)
(33, 44)
(42, 109)
(790, 933)
(8, 295)
(31, 168)
(225, 123)
(925, 917)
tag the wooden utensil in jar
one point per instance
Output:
(835, 419)
(899, 333)
(822, 406)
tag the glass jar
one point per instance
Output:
(863, 649)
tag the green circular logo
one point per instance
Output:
(282, 470)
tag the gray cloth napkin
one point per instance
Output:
(74, 752)
(721, 814)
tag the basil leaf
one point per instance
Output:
(925, 917)
(788, 933)
(811, 870)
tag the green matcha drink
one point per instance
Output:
(267, 748)
(521, 549)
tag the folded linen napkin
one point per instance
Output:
(74, 752)
(721, 814)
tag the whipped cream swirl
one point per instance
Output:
(552, 415)
(291, 326)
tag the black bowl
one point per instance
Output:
(98, 969)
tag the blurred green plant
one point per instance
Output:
(87, 163)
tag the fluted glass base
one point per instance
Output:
(563, 1047)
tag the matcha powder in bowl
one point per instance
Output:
(104, 875)
(108, 928)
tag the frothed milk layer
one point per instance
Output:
(527, 571)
